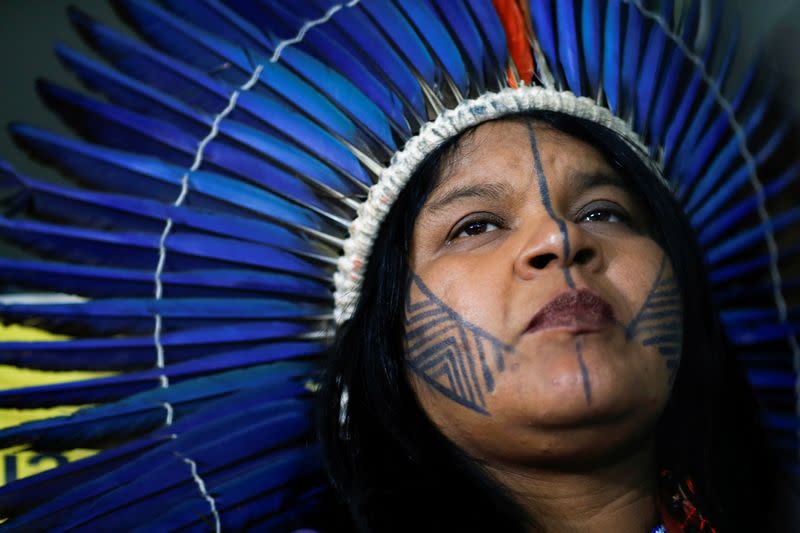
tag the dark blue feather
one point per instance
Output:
(649, 77)
(135, 316)
(139, 352)
(724, 159)
(736, 179)
(138, 175)
(720, 274)
(546, 32)
(740, 242)
(431, 30)
(396, 28)
(139, 97)
(612, 52)
(494, 37)
(631, 57)
(568, 51)
(104, 282)
(125, 213)
(114, 388)
(732, 216)
(123, 129)
(94, 426)
(187, 250)
(466, 36)
(165, 465)
(199, 89)
(33, 491)
(592, 43)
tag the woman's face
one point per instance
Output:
(543, 323)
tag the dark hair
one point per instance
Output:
(394, 469)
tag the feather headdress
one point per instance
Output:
(212, 203)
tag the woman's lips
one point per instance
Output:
(579, 311)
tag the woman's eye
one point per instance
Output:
(474, 227)
(605, 214)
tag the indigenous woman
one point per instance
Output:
(512, 255)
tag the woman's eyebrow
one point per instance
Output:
(583, 181)
(490, 191)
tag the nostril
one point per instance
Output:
(541, 261)
(583, 256)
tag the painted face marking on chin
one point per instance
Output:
(544, 193)
(455, 357)
(658, 322)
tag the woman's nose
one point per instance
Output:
(558, 245)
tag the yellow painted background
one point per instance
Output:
(18, 462)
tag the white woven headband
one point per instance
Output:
(468, 114)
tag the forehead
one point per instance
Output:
(503, 150)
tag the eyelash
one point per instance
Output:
(477, 218)
(608, 210)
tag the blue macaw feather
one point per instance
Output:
(762, 333)
(114, 388)
(135, 316)
(737, 293)
(663, 105)
(30, 492)
(126, 130)
(287, 419)
(771, 379)
(220, 20)
(699, 127)
(200, 90)
(725, 221)
(113, 170)
(125, 213)
(612, 52)
(568, 51)
(720, 274)
(398, 31)
(494, 37)
(680, 116)
(273, 18)
(547, 33)
(188, 251)
(650, 77)
(466, 36)
(263, 501)
(592, 41)
(359, 34)
(139, 97)
(208, 53)
(430, 28)
(631, 56)
(691, 22)
(712, 37)
(737, 179)
(725, 157)
(276, 512)
(93, 427)
(138, 352)
(784, 422)
(93, 281)
(741, 241)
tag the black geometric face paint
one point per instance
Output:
(454, 356)
(544, 194)
(659, 321)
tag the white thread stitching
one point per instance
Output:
(761, 199)
(199, 481)
(162, 249)
(307, 26)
